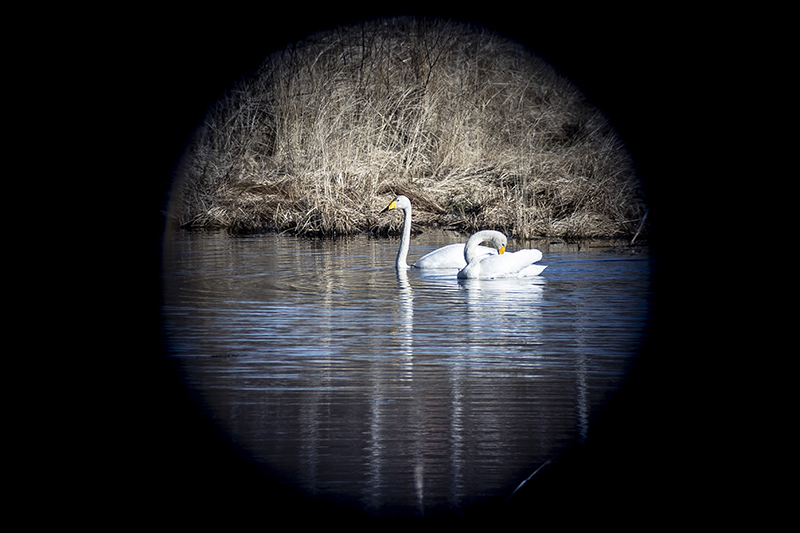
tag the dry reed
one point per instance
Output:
(477, 131)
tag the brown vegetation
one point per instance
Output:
(474, 129)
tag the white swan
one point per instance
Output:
(450, 256)
(505, 265)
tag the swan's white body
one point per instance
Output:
(450, 256)
(504, 265)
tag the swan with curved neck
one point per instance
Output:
(519, 264)
(450, 256)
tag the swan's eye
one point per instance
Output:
(501, 250)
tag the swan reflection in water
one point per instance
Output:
(499, 321)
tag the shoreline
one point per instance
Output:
(434, 237)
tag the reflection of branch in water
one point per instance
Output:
(529, 477)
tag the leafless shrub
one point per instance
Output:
(477, 131)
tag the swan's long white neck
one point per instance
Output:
(471, 248)
(402, 253)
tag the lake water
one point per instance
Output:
(411, 393)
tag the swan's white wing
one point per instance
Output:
(450, 256)
(532, 270)
(508, 265)
(502, 266)
(527, 256)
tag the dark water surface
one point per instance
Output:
(405, 393)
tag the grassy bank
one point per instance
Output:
(473, 128)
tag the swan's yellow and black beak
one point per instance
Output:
(501, 250)
(390, 206)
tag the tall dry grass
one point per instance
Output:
(477, 131)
